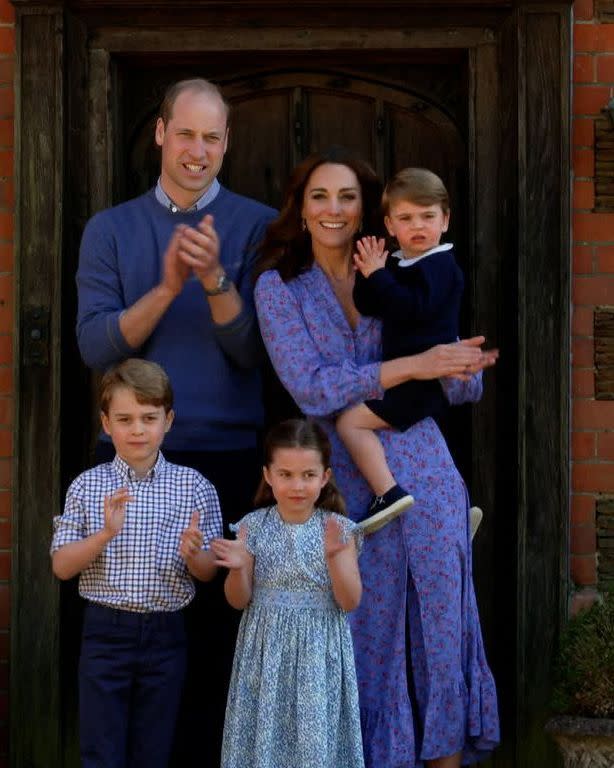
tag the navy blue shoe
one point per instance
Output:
(383, 509)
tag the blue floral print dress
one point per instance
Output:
(425, 687)
(293, 699)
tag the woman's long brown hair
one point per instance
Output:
(286, 246)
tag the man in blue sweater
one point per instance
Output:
(167, 277)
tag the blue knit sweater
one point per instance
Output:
(213, 368)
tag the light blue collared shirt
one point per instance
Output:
(207, 198)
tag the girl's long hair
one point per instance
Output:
(300, 433)
(286, 246)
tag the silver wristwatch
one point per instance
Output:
(222, 286)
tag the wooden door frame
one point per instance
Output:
(520, 190)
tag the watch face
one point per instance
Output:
(223, 284)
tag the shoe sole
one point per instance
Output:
(475, 518)
(379, 520)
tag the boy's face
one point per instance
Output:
(418, 228)
(136, 429)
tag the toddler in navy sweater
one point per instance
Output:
(416, 292)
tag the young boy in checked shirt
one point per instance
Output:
(137, 531)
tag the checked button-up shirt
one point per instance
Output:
(141, 568)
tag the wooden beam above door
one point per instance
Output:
(267, 5)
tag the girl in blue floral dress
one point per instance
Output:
(293, 699)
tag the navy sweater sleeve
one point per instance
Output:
(240, 338)
(101, 299)
(364, 298)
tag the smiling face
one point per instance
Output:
(296, 477)
(193, 141)
(136, 429)
(332, 208)
(418, 228)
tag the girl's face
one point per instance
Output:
(332, 207)
(418, 228)
(296, 477)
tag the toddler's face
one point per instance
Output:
(418, 228)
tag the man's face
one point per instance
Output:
(193, 144)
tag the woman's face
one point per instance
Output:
(332, 206)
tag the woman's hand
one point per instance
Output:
(461, 359)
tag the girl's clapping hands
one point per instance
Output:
(232, 554)
(334, 540)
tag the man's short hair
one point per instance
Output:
(195, 85)
(148, 381)
(415, 185)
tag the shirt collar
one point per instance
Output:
(405, 262)
(207, 198)
(126, 472)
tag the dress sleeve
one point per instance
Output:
(252, 522)
(318, 386)
(458, 391)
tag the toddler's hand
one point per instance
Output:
(371, 255)
(232, 554)
(334, 541)
(191, 540)
(115, 511)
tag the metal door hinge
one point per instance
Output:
(35, 336)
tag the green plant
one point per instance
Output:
(584, 672)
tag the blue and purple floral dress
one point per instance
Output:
(418, 613)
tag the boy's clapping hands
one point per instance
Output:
(191, 540)
(115, 511)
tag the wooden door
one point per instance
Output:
(90, 80)
(395, 112)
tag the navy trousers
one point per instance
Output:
(131, 675)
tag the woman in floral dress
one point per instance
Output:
(426, 693)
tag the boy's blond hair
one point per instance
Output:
(415, 185)
(147, 380)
